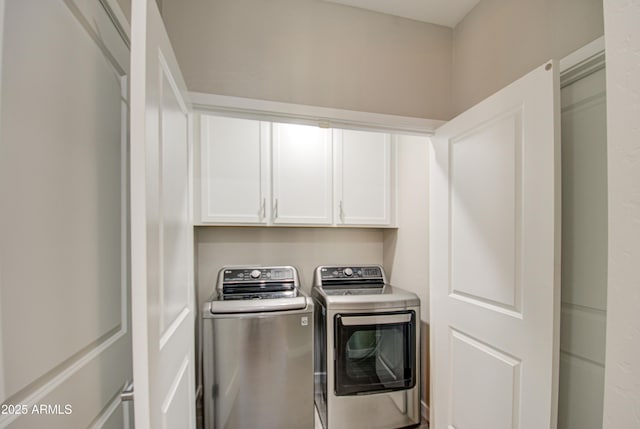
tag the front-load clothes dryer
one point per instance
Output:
(367, 355)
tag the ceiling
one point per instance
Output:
(441, 12)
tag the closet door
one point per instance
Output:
(65, 338)
(161, 230)
(494, 250)
(302, 175)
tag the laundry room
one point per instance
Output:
(318, 214)
(310, 64)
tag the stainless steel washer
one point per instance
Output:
(367, 366)
(258, 351)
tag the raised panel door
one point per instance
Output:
(494, 226)
(163, 303)
(65, 338)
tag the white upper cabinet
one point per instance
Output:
(302, 175)
(263, 173)
(363, 177)
(235, 170)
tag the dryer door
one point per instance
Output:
(375, 352)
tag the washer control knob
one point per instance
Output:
(348, 272)
(255, 274)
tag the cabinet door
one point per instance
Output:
(234, 170)
(302, 175)
(363, 177)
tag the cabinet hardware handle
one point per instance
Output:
(263, 212)
(275, 210)
(341, 212)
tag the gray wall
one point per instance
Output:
(312, 52)
(502, 40)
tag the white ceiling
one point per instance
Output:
(441, 12)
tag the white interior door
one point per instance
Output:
(161, 231)
(495, 260)
(65, 337)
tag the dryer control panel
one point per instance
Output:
(354, 275)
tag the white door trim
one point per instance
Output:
(2, 382)
(582, 62)
(580, 56)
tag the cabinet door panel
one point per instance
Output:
(302, 175)
(233, 170)
(364, 177)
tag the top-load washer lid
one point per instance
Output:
(257, 289)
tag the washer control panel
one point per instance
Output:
(235, 275)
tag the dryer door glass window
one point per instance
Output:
(375, 352)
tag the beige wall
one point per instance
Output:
(324, 54)
(312, 52)
(406, 250)
(304, 248)
(622, 372)
(502, 40)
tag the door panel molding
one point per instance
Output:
(177, 397)
(111, 412)
(483, 281)
(103, 26)
(49, 384)
(468, 384)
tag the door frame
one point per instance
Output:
(582, 62)
(578, 65)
